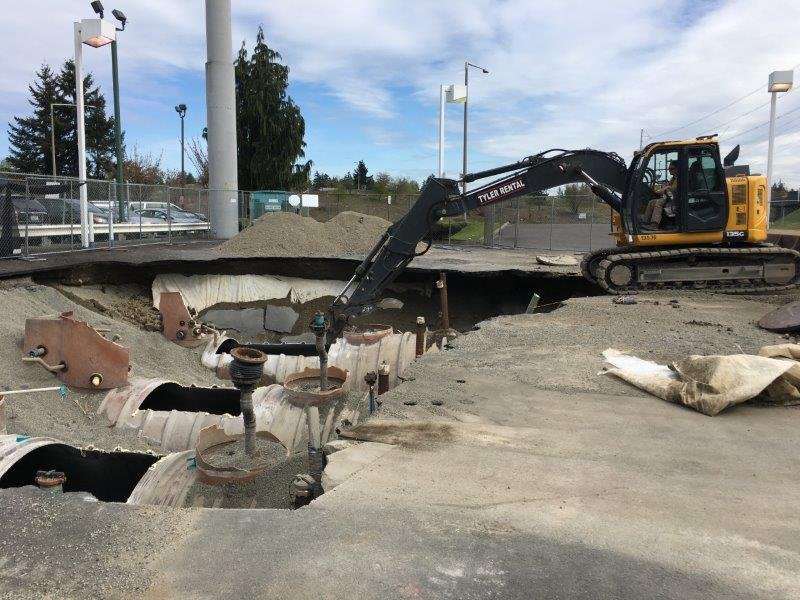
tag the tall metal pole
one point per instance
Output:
(221, 107)
(464, 150)
(117, 132)
(441, 130)
(769, 152)
(641, 138)
(84, 200)
(183, 154)
(53, 138)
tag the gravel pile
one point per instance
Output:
(288, 234)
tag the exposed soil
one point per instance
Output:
(269, 490)
(232, 454)
(288, 234)
(312, 385)
(129, 302)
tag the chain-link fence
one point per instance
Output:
(569, 223)
(40, 214)
(785, 215)
(574, 223)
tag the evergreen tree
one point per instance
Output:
(361, 177)
(100, 149)
(270, 128)
(30, 137)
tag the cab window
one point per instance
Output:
(706, 205)
(658, 187)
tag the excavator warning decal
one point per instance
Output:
(499, 192)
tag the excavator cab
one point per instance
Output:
(674, 191)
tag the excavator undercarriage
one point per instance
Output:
(733, 270)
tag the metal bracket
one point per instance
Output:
(76, 352)
(178, 324)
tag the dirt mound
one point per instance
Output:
(288, 234)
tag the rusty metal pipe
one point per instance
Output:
(383, 378)
(246, 369)
(442, 285)
(422, 331)
(316, 457)
(370, 379)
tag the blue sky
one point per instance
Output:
(366, 74)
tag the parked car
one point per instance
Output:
(68, 210)
(174, 216)
(135, 217)
(29, 210)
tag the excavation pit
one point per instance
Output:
(471, 299)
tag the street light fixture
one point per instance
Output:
(779, 81)
(488, 219)
(181, 110)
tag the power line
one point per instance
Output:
(711, 114)
(719, 110)
(765, 123)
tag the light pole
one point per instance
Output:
(488, 219)
(181, 110)
(97, 6)
(779, 81)
(442, 90)
(94, 33)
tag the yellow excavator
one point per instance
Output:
(709, 230)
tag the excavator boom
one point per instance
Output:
(441, 198)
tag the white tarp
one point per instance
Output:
(710, 384)
(202, 291)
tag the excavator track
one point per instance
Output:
(731, 270)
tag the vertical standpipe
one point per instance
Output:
(221, 107)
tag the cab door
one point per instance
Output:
(706, 207)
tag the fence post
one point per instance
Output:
(110, 215)
(169, 218)
(27, 215)
(71, 216)
(591, 223)
(552, 219)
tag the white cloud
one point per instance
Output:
(562, 73)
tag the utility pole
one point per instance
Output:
(641, 138)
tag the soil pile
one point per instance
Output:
(288, 234)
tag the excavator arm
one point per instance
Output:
(604, 172)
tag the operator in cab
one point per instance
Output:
(655, 208)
